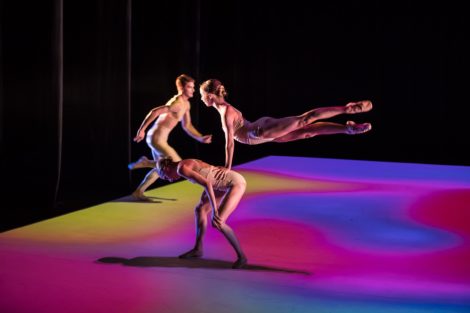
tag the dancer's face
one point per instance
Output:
(207, 98)
(188, 89)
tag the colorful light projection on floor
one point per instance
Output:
(321, 236)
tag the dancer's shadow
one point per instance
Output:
(149, 199)
(155, 261)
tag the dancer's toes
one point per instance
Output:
(355, 129)
(191, 254)
(358, 107)
(241, 262)
(140, 163)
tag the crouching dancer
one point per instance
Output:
(223, 190)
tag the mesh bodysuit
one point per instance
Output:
(220, 177)
(248, 133)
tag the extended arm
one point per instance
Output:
(192, 131)
(187, 172)
(151, 116)
(229, 141)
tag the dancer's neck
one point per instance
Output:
(222, 106)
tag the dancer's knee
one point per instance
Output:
(201, 209)
(218, 224)
(309, 135)
(304, 120)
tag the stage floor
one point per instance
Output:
(321, 235)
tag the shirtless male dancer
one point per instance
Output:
(167, 116)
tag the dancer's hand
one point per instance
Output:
(216, 220)
(140, 136)
(206, 139)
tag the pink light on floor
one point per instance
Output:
(321, 235)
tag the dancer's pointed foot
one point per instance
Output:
(358, 107)
(191, 254)
(140, 163)
(241, 262)
(355, 129)
(140, 196)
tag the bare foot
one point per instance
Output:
(355, 129)
(140, 196)
(140, 163)
(358, 107)
(193, 253)
(241, 262)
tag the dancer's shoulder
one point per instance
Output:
(233, 112)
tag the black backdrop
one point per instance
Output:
(78, 77)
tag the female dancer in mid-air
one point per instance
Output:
(268, 129)
(223, 190)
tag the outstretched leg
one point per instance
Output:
(142, 162)
(275, 128)
(328, 112)
(227, 206)
(152, 176)
(325, 128)
(148, 180)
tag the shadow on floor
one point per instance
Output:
(149, 199)
(148, 261)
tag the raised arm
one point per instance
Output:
(192, 131)
(151, 116)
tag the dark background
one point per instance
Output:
(78, 77)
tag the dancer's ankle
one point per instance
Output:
(193, 253)
(240, 262)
